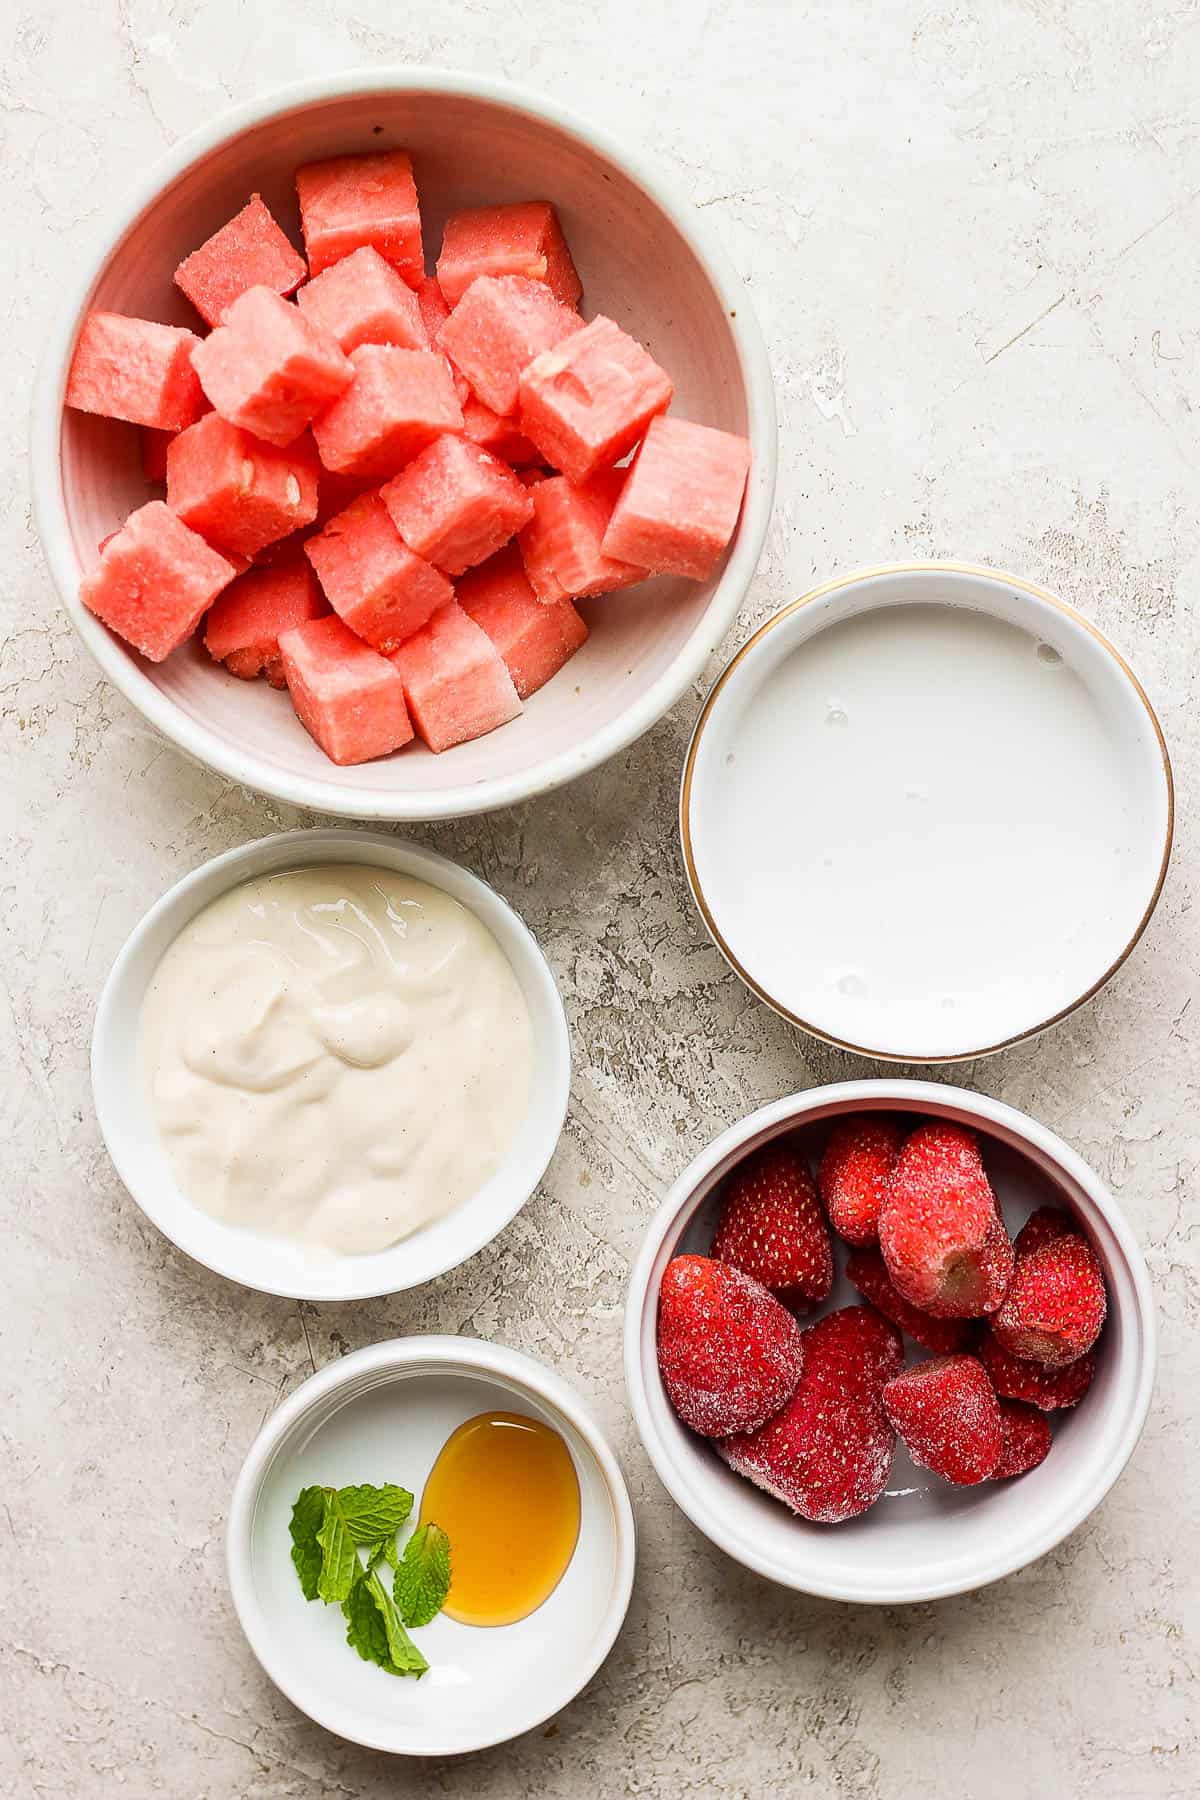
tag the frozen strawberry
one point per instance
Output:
(948, 1415)
(827, 1454)
(1042, 1227)
(1026, 1439)
(854, 1173)
(867, 1270)
(1055, 1306)
(771, 1226)
(729, 1354)
(1018, 1378)
(942, 1237)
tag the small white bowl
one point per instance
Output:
(924, 1539)
(926, 812)
(382, 1414)
(271, 1264)
(647, 258)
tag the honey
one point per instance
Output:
(505, 1491)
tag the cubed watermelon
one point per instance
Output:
(455, 681)
(561, 543)
(154, 581)
(400, 400)
(534, 640)
(268, 369)
(491, 432)
(237, 491)
(455, 504)
(383, 590)
(349, 698)
(133, 369)
(522, 239)
(501, 323)
(588, 400)
(432, 302)
(362, 300)
(250, 251)
(680, 503)
(349, 201)
(244, 622)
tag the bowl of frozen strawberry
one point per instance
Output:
(889, 1340)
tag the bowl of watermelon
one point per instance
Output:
(405, 448)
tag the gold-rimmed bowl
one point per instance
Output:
(927, 811)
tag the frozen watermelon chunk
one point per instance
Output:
(268, 369)
(455, 681)
(400, 401)
(679, 506)
(534, 640)
(382, 589)
(250, 251)
(495, 434)
(561, 544)
(362, 300)
(588, 400)
(349, 201)
(348, 697)
(501, 323)
(455, 504)
(244, 622)
(237, 491)
(522, 239)
(134, 369)
(154, 452)
(154, 580)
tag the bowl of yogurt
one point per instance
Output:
(331, 1064)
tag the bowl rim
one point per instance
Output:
(842, 583)
(907, 1096)
(170, 1209)
(311, 792)
(396, 1355)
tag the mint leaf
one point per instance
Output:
(373, 1628)
(390, 1553)
(339, 1559)
(371, 1513)
(422, 1578)
(308, 1515)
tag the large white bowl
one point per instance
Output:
(923, 1539)
(382, 1414)
(272, 1264)
(646, 259)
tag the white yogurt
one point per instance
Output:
(337, 1055)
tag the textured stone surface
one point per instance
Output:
(971, 233)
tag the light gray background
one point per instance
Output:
(970, 231)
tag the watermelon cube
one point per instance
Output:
(432, 302)
(155, 579)
(244, 622)
(679, 506)
(399, 401)
(154, 452)
(237, 491)
(268, 369)
(534, 640)
(524, 239)
(455, 682)
(134, 369)
(349, 201)
(250, 251)
(561, 544)
(383, 590)
(498, 435)
(362, 300)
(501, 323)
(455, 504)
(348, 697)
(588, 400)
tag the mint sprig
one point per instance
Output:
(422, 1578)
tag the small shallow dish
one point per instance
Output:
(926, 812)
(924, 1538)
(646, 258)
(272, 1264)
(382, 1414)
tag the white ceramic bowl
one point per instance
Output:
(270, 1264)
(923, 1539)
(382, 1414)
(646, 258)
(927, 811)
